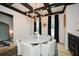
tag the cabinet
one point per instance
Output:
(73, 44)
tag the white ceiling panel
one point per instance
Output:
(36, 5)
(20, 7)
(43, 12)
(56, 9)
(32, 14)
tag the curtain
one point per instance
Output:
(49, 25)
(40, 25)
(34, 26)
(56, 32)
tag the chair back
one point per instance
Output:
(44, 49)
(30, 50)
(52, 47)
(49, 48)
(26, 49)
(18, 42)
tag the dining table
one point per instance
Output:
(42, 39)
(37, 40)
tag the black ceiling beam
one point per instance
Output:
(38, 14)
(43, 8)
(59, 12)
(29, 16)
(30, 8)
(27, 6)
(57, 4)
(9, 3)
(6, 14)
(64, 8)
(47, 5)
(67, 5)
(10, 7)
(54, 4)
(60, 4)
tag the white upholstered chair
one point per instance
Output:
(48, 49)
(18, 42)
(30, 50)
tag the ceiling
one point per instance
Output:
(20, 7)
(37, 9)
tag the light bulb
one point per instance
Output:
(11, 31)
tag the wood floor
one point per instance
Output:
(62, 51)
(8, 50)
(12, 51)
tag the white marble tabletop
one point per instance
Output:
(35, 40)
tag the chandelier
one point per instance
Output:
(40, 11)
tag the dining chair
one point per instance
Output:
(48, 49)
(52, 38)
(52, 48)
(18, 42)
(30, 50)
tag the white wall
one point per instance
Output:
(61, 28)
(72, 20)
(32, 22)
(22, 24)
(7, 19)
(72, 16)
(44, 29)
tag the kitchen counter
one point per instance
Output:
(73, 43)
(76, 33)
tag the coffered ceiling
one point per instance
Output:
(20, 7)
(37, 9)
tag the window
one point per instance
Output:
(52, 26)
(37, 25)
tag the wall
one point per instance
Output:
(32, 22)
(22, 24)
(72, 20)
(7, 19)
(72, 17)
(44, 29)
(61, 28)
